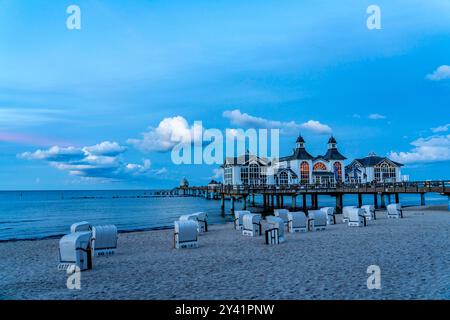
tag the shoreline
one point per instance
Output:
(332, 264)
(58, 236)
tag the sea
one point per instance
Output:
(32, 215)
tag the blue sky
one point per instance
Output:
(86, 95)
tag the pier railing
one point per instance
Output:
(442, 187)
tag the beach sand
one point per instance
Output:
(413, 254)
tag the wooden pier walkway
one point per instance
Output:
(274, 196)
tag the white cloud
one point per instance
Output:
(102, 161)
(316, 127)
(105, 148)
(439, 129)
(245, 120)
(441, 73)
(376, 116)
(169, 132)
(430, 149)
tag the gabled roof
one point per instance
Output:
(372, 160)
(299, 154)
(293, 174)
(333, 154)
(245, 159)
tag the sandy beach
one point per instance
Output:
(413, 254)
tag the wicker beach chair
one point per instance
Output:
(278, 236)
(297, 222)
(331, 214)
(104, 240)
(185, 234)
(238, 219)
(75, 249)
(369, 212)
(319, 219)
(345, 213)
(394, 211)
(251, 225)
(357, 218)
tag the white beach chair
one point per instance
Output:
(330, 212)
(394, 211)
(297, 222)
(80, 226)
(251, 225)
(319, 219)
(238, 219)
(202, 219)
(104, 240)
(278, 236)
(185, 234)
(345, 213)
(75, 249)
(199, 218)
(357, 218)
(283, 214)
(369, 212)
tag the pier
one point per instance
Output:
(273, 197)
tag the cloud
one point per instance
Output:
(441, 73)
(105, 148)
(18, 117)
(376, 116)
(169, 132)
(245, 120)
(430, 149)
(101, 161)
(439, 129)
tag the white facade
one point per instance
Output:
(299, 168)
(373, 169)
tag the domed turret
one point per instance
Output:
(300, 143)
(184, 183)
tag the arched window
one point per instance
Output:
(283, 179)
(338, 170)
(320, 166)
(304, 172)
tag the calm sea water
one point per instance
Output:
(42, 214)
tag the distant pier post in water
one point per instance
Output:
(422, 199)
(294, 201)
(383, 201)
(304, 202)
(222, 202)
(397, 198)
(339, 203)
(360, 200)
(253, 199)
(244, 203)
(375, 201)
(232, 203)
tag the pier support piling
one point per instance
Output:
(294, 202)
(422, 199)
(222, 202)
(339, 203)
(304, 202)
(244, 203)
(253, 199)
(375, 201)
(360, 200)
(232, 203)
(383, 201)
(397, 198)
